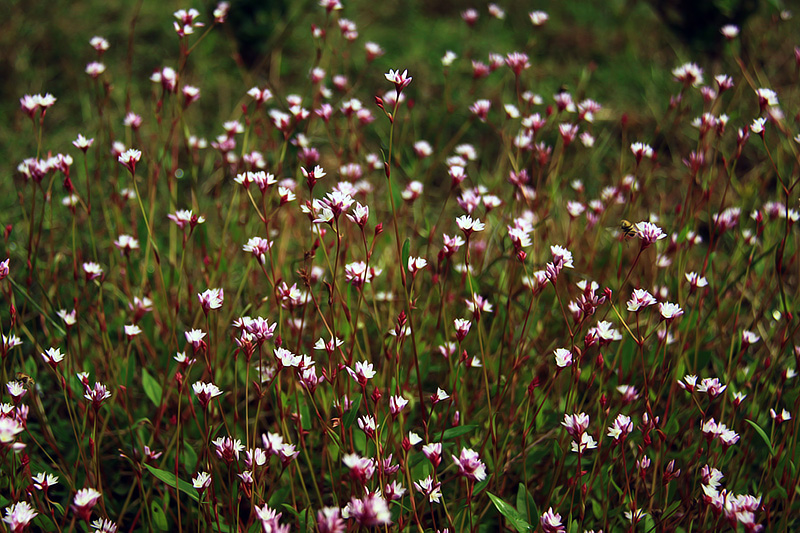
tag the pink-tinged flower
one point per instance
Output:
(397, 404)
(568, 132)
(357, 274)
(462, 328)
(496, 11)
(211, 299)
(423, 149)
(576, 424)
(635, 516)
(586, 443)
(18, 516)
(629, 393)
(669, 311)
(729, 31)
(126, 244)
(415, 264)
(517, 62)
(373, 50)
(604, 333)
(451, 244)
(95, 69)
(286, 195)
(412, 191)
(184, 217)
(44, 481)
(99, 44)
(670, 472)
(287, 358)
(470, 16)
(53, 357)
(132, 120)
(270, 520)
(132, 330)
(429, 488)
(561, 256)
(468, 225)
(749, 338)
(129, 158)
(97, 395)
(104, 525)
(191, 94)
(16, 390)
(538, 18)
(228, 449)
(401, 81)
(440, 396)
(641, 150)
(781, 417)
(29, 104)
(477, 305)
(259, 247)
(643, 464)
(260, 95)
(92, 271)
(195, 338)
(766, 98)
(696, 281)
(563, 357)
(551, 522)
(738, 398)
(362, 373)
(394, 491)
(331, 5)
(205, 392)
(481, 109)
(621, 427)
(368, 425)
(689, 383)
(369, 511)
(9, 429)
(639, 299)
(711, 386)
(361, 468)
(689, 74)
(329, 520)
(649, 233)
(82, 143)
(9, 342)
(757, 126)
(433, 451)
(470, 465)
(84, 501)
(221, 12)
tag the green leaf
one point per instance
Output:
(151, 387)
(129, 371)
(189, 458)
(457, 431)
(406, 252)
(762, 434)
(169, 479)
(511, 514)
(525, 504)
(305, 416)
(159, 518)
(351, 415)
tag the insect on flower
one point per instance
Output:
(25, 379)
(627, 228)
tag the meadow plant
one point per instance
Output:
(340, 313)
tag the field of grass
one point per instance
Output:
(411, 267)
